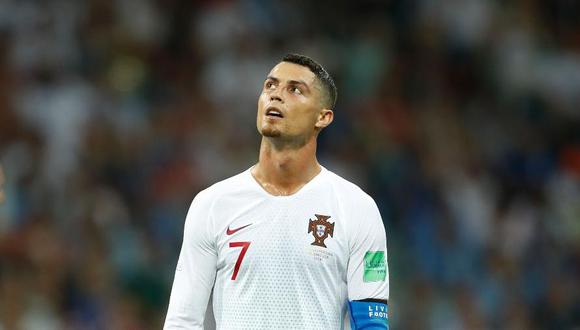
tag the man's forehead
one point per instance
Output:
(292, 71)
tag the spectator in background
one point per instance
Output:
(2, 197)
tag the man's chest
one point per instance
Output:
(281, 239)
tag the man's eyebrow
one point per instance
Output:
(290, 82)
(297, 82)
(294, 82)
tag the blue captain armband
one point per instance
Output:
(368, 314)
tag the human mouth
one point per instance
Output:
(274, 112)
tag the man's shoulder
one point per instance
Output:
(232, 185)
(350, 191)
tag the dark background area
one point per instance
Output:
(461, 119)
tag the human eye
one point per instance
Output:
(269, 84)
(295, 90)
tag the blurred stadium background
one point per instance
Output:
(460, 117)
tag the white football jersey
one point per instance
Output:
(278, 262)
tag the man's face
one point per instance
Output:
(290, 105)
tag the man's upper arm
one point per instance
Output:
(368, 273)
(195, 271)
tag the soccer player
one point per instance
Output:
(286, 244)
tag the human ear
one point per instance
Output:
(325, 117)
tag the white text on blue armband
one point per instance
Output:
(368, 315)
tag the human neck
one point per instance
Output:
(282, 171)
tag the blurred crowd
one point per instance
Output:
(460, 117)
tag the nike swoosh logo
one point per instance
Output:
(233, 231)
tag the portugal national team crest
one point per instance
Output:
(320, 229)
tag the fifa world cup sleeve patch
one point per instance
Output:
(368, 314)
(375, 267)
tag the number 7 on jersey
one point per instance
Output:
(244, 246)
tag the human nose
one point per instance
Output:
(274, 95)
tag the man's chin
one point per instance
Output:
(271, 133)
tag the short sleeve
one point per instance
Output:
(195, 271)
(367, 273)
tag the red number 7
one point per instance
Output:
(245, 246)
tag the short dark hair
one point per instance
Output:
(328, 86)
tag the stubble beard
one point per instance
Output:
(282, 141)
(271, 132)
